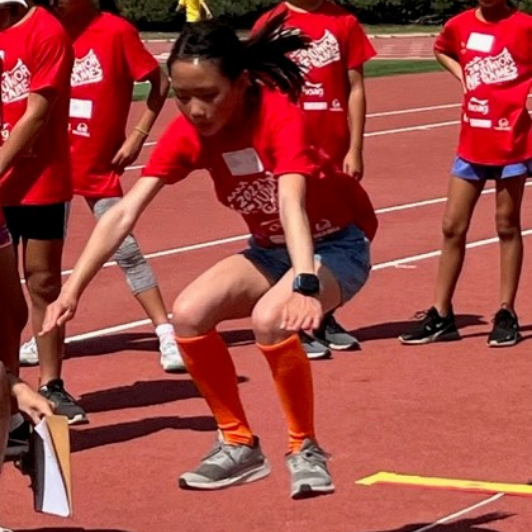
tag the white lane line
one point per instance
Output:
(434, 201)
(384, 132)
(176, 251)
(239, 238)
(383, 114)
(414, 110)
(381, 266)
(461, 513)
(437, 253)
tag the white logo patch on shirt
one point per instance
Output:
(480, 42)
(490, 70)
(16, 83)
(87, 70)
(258, 195)
(243, 162)
(320, 54)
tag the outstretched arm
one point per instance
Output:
(107, 236)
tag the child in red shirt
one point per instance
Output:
(309, 251)
(334, 103)
(35, 176)
(109, 58)
(489, 50)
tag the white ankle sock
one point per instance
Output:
(165, 329)
(16, 421)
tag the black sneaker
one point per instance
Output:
(432, 328)
(65, 405)
(334, 336)
(18, 442)
(505, 332)
(314, 349)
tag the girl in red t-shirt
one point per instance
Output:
(488, 49)
(334, 101)
(334, 104)
(109, 58)
(309, 250)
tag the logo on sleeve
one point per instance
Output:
(87, 70)
(490, 70)
(16, 83)
(320, 54)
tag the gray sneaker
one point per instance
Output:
(334, 336)
(315, 350)
(227, 465)
(308, 468)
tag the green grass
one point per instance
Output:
(380, 29)
(387, 29)
(393, 67)
(374, 69)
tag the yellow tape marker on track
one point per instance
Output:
(446, 483)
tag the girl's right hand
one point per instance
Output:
(63, 309)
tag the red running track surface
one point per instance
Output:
(455, 410)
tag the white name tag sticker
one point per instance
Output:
(480, 42)
(80, 108)
(243, 162)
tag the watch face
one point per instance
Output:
(307, 284)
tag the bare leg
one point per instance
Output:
(5, 413)
(461, 200)
(508, 222)
(42, 269)
(12, 322)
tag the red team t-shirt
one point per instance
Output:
(37, 57)
(246, 161)
(110, 57)
(338, 44)
(496, 61)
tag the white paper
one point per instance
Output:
(55, 495)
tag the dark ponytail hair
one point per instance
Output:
(264, 55)
(110, 6)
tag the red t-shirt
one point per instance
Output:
(37, 57)
(246, 160)
(110, 57)
(496, 61)
(339, 44)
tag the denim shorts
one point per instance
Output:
(482, 172)
(345, 254)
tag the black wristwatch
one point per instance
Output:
(307, 284)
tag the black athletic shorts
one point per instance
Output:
(37, 222)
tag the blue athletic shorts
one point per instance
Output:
(345, 254)
(482, 172)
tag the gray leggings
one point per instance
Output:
(140, 276)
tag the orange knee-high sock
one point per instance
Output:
(293, 378)
(210, 365)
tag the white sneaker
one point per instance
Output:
(5, 529)
(28, 356)
(171, 360)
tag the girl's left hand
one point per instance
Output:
(129, 151)
(301, 313)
